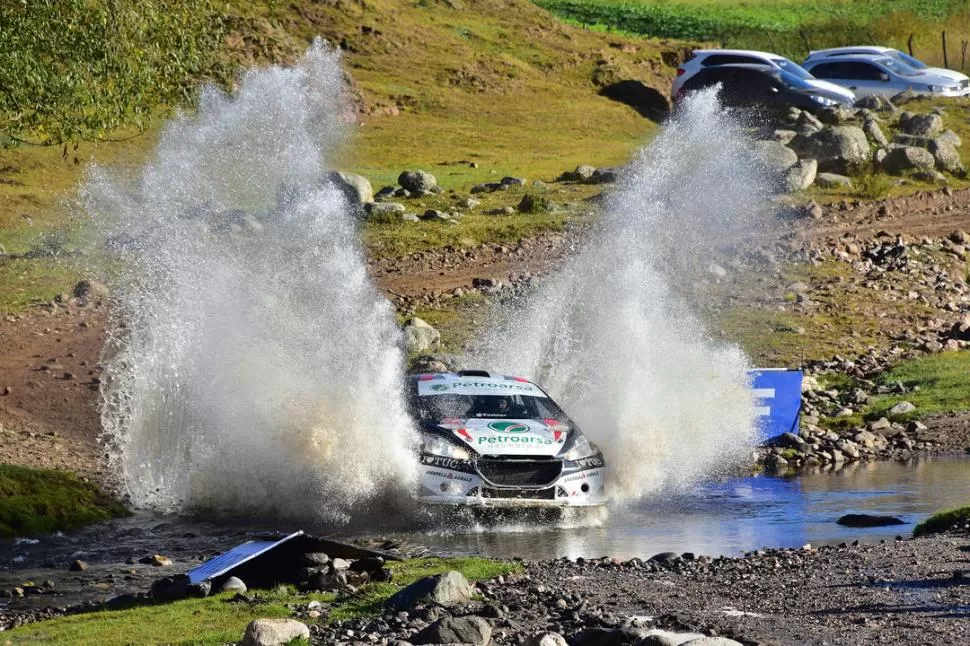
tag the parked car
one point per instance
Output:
(490, 440)
(761, 88)
(878, 75)
(962, 79)
(704, 58)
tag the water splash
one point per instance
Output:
(254, 369)
(611, 340)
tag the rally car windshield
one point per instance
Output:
(440, 407)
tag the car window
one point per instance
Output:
(864, 71)
(909, 60)
(730, 59)
(792, 68)
(898, 67)
(829, 71)
(435, 408)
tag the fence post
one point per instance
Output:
(909, 44)
(808, 45)
(963, 55)
(946, 62)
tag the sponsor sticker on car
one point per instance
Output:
(477, 386)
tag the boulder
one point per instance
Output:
(91, 291)
(783, 136)
(874, 102)
(930, 176)
(832, 180)
(712, 641)
(545, 639)
(911, 140)
(416, 181)
(907, 158)
(449, 589)
(604, 176)
(902, 408)
(868, 520)
(801, 175)
(456, 630)
(874, 132)
(837, 149)
(775, 156)
(356, 189)
(419, 336)
(946, 156)
(233, 584)
(274, 632)
(921, 125)
(582, 173)
(950, 137)
(531, 203)
(384, 212)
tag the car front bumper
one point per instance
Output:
(457, 483)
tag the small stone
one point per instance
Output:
(78, 566)
(233, 584)
(902, 408)
(274, 632)
(157, 560)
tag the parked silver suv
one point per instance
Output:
(878, 75)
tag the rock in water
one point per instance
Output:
(447, 589)
(456, 630)
(274, 632)
(869, 520)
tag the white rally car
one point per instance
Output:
(497, 441)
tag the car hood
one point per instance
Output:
(509, 436)
(944, 74)
(831, 91)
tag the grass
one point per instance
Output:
(38, 501)
(218, 620)
(942, 521)
(941, 380)
(789, 27)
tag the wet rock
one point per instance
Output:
(775, 157)
(868, 520)
(157, 560)
(417, 181)
(801, 175)
(233, 584)
(419, 336)
(447, 589)
(274, 632)
(456, 630)
(356, 189)
(91, 291)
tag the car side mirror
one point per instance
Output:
(884, 77)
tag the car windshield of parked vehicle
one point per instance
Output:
(795, 82)
(435, 408)
(898, 67)
(909, 60)
(792, 68)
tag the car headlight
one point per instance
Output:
(821, 100)
(936, 88)
(437, 445)
(580, 448)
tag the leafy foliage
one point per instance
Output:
(943, 521)
(77, 69)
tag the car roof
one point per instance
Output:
(852, 58)
(767, 70)
(739, 52)
(875, 49)
(483, 376)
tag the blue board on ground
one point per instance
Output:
(233, 558)
(779, 400)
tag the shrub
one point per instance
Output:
(943, 521)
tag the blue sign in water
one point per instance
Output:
(779, 400)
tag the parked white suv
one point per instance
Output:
(704, 58)
(958, 78)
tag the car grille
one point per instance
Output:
(965, 84)
(519, 494)
(520, 473)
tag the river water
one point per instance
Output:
(735, 516)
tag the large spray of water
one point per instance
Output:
(610, 339)
(254, 368)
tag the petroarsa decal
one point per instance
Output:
(592, 462)
(508, 427)
(447, 463)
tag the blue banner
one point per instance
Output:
(779, 400)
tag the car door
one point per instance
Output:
(862, 78)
